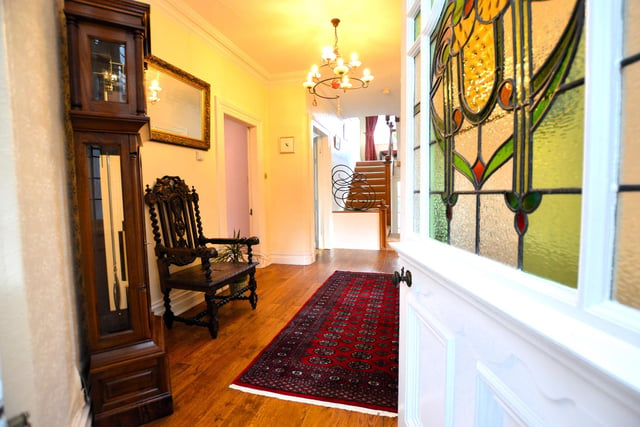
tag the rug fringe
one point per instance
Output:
(314, 402)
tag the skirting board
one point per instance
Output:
(181, 301)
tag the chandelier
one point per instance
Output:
(338, 72)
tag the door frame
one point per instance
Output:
(255, 152)
(322, 183)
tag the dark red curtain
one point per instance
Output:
(369, 143)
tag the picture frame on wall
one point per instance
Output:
(287, 144)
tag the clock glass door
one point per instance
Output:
(109, 78)
(109, 240)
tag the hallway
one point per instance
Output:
(202, 369)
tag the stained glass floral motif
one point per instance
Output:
(497, 78)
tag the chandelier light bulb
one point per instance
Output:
(340, 69)
(345, 83)
(366, 75)
(354, 63)
(309, 83)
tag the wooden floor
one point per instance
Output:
(202, 368)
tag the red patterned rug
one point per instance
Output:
(340, 350)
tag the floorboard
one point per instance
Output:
(202, 368)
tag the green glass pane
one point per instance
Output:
(438, 218)
(630, 149)
(552, 242)
(498, 238)
(436, 168)
(463, 223)
(631, 28)
(558, 143)
(417, 26)
(626, 288)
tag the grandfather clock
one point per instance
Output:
(128, 372)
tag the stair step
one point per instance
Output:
(370, 163)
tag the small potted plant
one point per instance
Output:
(233, 252)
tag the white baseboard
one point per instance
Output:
(181, 301)
(293, 259)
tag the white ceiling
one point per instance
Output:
(283, 38)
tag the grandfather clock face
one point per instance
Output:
(108, 71)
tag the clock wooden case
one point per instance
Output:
(107, 41)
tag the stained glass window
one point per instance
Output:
(506, 140)
(415, 122)
(626, 289)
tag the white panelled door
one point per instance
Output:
(490, 340)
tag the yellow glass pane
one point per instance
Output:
(630, 150)
(549, 21)
(626, 288)
(479, 67)
(577, 68)
(498, 239)
(558, 143)
(631, 27)
(417, 80)
(552, 243)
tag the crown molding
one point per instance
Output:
(193, 22)
(287, 79)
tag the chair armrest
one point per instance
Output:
(249, 241)
(184, 256)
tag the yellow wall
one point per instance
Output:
(284, 181)
(290, 178)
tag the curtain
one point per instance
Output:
(369, 143)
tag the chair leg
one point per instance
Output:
(168, 315)
(253, 296)
(212, 311)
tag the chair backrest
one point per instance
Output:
(175, 219)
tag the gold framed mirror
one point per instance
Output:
(178, 105)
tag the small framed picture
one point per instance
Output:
(286, 144)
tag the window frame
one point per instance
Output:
(591, 302)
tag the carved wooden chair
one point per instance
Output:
(179, 241)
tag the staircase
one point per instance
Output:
(377, 174)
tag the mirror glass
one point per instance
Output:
(177, 104)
